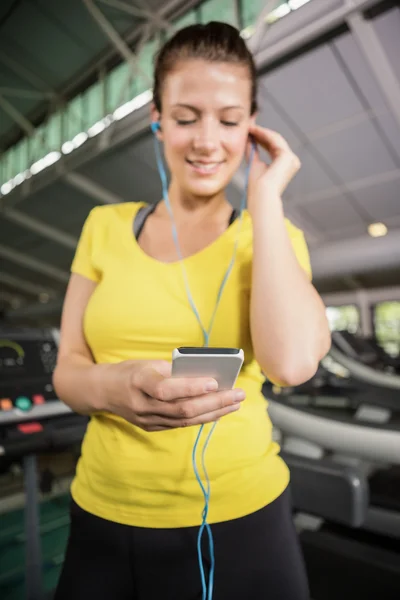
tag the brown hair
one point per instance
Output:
(216, 42)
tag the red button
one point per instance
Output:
(28, 428)
(38, 399)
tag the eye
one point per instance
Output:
(182, 122)
(229, 123)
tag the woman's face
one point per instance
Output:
(204, 124)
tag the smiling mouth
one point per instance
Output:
(204, 167)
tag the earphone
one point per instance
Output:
(155, 126)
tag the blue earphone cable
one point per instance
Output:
(207, 593)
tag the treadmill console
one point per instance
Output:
(27, 361)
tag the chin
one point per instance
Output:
(205, 189)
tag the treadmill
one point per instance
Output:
(32, 421)
(349, 414)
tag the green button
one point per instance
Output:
(23, 403)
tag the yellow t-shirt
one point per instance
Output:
(139, 310)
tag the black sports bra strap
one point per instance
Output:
(234, 216)
(140, 218)
(145, 211)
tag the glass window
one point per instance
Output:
(387, 326)
(93, 100)
(219, 10)
(53, 132)
(187, 19)
(343, 318)
(117, 83)
(73, 118)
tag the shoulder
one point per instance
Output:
(107, 214)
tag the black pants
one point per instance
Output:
(256, 557)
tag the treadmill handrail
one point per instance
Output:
(364, 373)
(354, 439)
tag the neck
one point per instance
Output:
(194, 208)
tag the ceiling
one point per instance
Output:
(53, 49)
(325, 94)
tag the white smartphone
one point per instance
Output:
(222, 364)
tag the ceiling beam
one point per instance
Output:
(25, 73)
(337, 191)
(16, 116)
(356, 256)
(116, 39)
(386, 294)
(304, 34)
(23, 93)
(13, 299)
(36, 309)
(140, 13)
(92, 189)
(374, 54)
(261, 26)
(47, 231)
(25, 286)
(23, 259)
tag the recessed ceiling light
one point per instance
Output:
(377, 229)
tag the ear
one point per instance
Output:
(156, 118)
(253, 118)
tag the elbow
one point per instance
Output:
(298, 373)
(294, 372)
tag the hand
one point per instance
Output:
(154, 401)
(273, 178)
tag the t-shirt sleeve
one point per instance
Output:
(300, 247)
(85, 261)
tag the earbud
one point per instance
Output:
(155, 126)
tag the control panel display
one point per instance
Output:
(27, 361)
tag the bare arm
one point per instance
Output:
(76, 377)
(289, 327)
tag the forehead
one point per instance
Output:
(199, 82)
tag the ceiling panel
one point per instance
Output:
(60, 205)
(129, 177)
(269, 116)
(15, 236)
(381, 201)
(391, 129)
(50, 252)
(311, 177)
(356, 153)
(333, 214)
(387, 26)
(313, 90)
(360, 71)
(30, 275)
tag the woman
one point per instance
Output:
(136, 502)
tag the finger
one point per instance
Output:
(162, 366)
(156, 385)
(187, 409)
(164, 423)
(269, 139)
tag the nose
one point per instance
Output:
(206, 137)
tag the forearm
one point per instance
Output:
(87, 387)
(289, 328)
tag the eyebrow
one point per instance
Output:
(195, 109)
